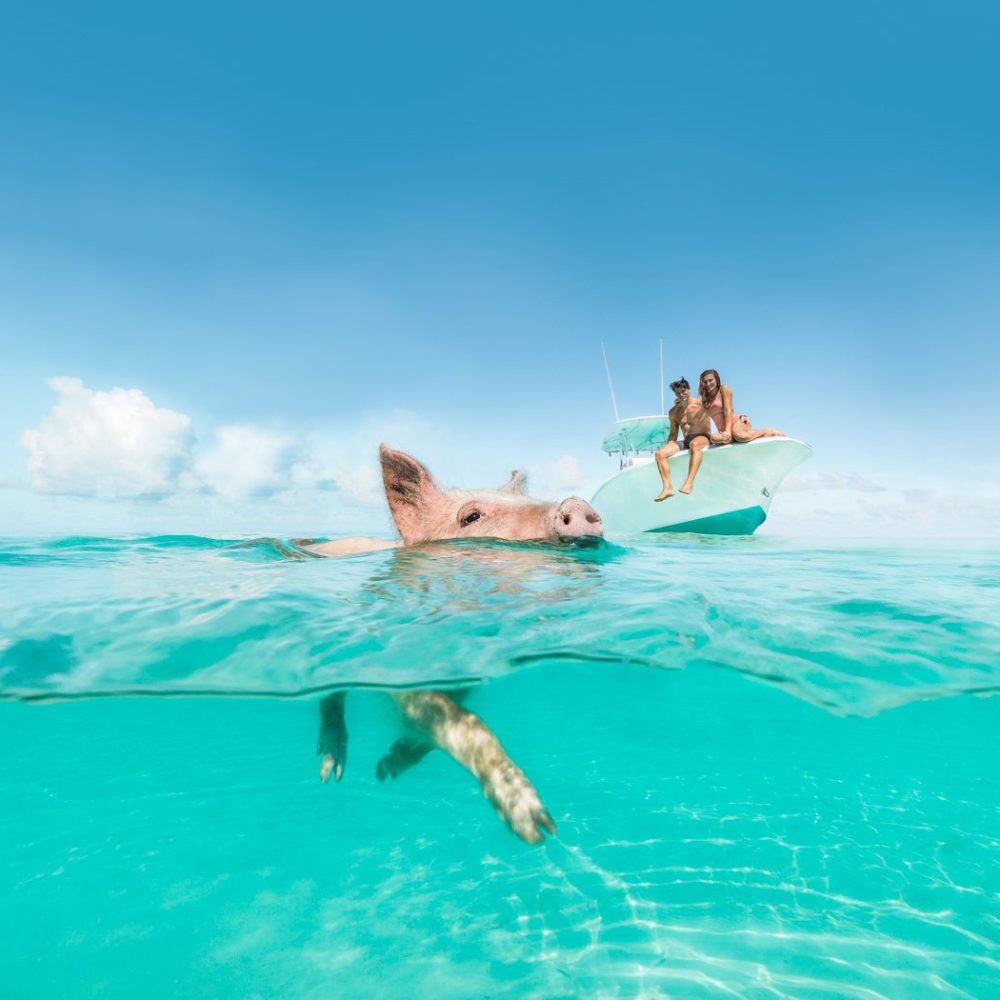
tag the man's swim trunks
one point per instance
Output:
(686, 443)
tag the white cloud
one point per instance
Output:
(344, 458)
(119, 445)
(555, 479)
(854, 506)
(108, 444)
(566, 473)
(243, 462)
(316, 475)
(361, 485)
(832, 481)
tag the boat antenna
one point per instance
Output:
(661, 376)
(607, 368)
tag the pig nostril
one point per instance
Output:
(593, 519)
(566, 518)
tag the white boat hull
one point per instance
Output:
(731, 495)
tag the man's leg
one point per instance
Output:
(663, 464)
(698, 445)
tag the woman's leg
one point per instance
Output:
(742, 431)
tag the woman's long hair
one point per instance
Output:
(705, 398)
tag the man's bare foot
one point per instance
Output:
(663, 496)
(686, 489)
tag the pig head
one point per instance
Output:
(424, 512)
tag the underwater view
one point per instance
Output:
(770, 766)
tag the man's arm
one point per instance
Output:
(675, 425)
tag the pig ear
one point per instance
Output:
(410, 490)
(516, 483)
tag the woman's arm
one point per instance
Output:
(726, 434)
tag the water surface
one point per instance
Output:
(773, 768)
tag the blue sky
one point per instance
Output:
(303, 231)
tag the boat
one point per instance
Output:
(731, 496)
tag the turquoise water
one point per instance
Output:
(773, 767)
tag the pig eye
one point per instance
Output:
(473, 515)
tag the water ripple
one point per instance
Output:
(855, 630)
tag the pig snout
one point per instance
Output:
(575, 518)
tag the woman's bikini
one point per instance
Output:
(715, 411)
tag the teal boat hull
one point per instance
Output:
(731, 496)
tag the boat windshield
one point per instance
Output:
(636, 434)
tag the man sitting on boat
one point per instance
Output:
(717, 400)
(687, 415)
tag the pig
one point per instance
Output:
(422, 512)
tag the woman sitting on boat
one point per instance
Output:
(717, 400)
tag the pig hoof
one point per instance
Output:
(332, 742)
(332, 746)
(520, 807)
(328, 767)
(402, 754)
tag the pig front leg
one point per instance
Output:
(469, 740)
(332, 742)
